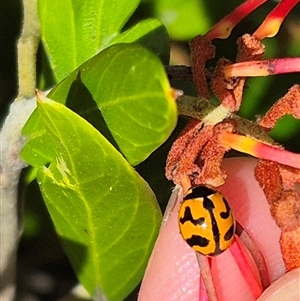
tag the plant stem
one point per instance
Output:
(27, 48)
(199, 108)
(11, 143)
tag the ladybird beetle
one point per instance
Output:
(206, 222)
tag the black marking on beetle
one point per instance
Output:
(209, 206)
(217, 251)
(196, 240)
(188, 217)
(199, 192)
(226, 214)
(230, 232)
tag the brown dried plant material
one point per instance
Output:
(288, 104)
(178, 148)
(229, 91)
(268, 176)
(290, 248)
(289, 176)
(286, 211)
(212, 156)
(249, 49)
(198, 154)
(202, 50)
(284, 203)
(185, 150)
(284, 207)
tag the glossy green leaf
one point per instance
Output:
(129, 85)
(104, 212)
(74, 30)
(150, 33)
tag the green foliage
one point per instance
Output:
(105, 213)
(74, 31)
(122, 106)
(137, 106)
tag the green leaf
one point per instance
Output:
(74, 30)
(105, 213)
(150, 33)
(131, 89)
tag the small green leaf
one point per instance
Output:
(150, 33)
(75, 30)
(131, 89)
(105, 213)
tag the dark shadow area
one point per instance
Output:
(10, 28)
(152, 42)
(45, 77)
(81, 101)
(153, 168)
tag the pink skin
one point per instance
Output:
(173, 272)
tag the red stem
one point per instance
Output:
(245, 269)
(224, 27)
(263, 68)
(272, 23)
(202, 291)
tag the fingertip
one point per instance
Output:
(286, 288)
(172, 272)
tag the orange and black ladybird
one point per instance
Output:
(206, 221)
